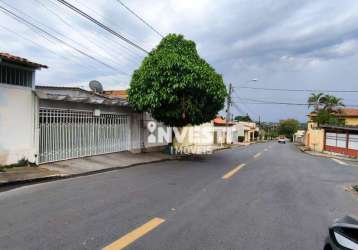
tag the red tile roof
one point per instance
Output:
(117, 93)
(221, 122)
(344, 112)
(23, 61)
(348, 112)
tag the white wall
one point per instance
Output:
(17, 124)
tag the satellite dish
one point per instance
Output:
(96, 86)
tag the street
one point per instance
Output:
(264, 196)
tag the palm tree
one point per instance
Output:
(331, 103)
(315, 101)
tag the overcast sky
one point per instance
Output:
(284, 44)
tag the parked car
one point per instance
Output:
(343, 235)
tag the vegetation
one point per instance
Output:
(270, 129)
(325, 107)
(355, 188)
(326, 117)
(21, 163)
(176, 86)
(288, 127)
(315, 101)
(243, 118)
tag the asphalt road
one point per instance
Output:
(281, 199)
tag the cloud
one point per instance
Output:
(301, 44)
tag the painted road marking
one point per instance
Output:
(257, 155)
(233, 171)
(134, 235)
(340, 162)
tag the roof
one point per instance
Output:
(74, 94)
(343, 112)
(23, 61)
(348, 112)
(218, 121)
(117, 93)
(345, 128)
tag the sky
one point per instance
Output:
(288, 44)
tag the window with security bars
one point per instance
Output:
(16, 75)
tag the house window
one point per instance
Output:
(16, 75)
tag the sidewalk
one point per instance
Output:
(81, 166)
(325, 154)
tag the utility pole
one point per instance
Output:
(228, 105)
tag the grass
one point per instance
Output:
(21, 163)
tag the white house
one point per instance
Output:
(18, 109)
(46, 124)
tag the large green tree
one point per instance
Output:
(288, 127)
(176, 86)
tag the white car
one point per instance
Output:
(282, 140)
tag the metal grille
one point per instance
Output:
(67, 134)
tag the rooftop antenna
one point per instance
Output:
(96, 86)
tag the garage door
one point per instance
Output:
(67, 134)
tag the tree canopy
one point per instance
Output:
(176, 86)
(288, 127)
(243, 118)
(326, 107)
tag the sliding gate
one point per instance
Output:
(67, 134)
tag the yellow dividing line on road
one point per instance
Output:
(134, 235)
(257, 155)
(232, 172)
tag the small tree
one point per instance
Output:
(243, 118)
(288, 127)
(332, 103)
(325, 117)
(315, 101)
(176, 86)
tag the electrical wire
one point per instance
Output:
(140, 18)
(91, 41)
(301, 90)
(28, 23)
(93, 20)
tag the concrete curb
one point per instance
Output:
(326, 155)
(14, 184)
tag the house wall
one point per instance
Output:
(18, 112)
(351, 121)
(314, 137)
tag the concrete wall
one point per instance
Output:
(351, 121)
(314, 137)
(18, 112)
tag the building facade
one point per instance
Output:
(45, 124)
(339, 139)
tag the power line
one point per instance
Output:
(80, 12)
(24, 21)
(129, 50)
(101, 47)
(140, 18)
(301, 90)
(257, 101)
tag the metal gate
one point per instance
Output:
(67, 134)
